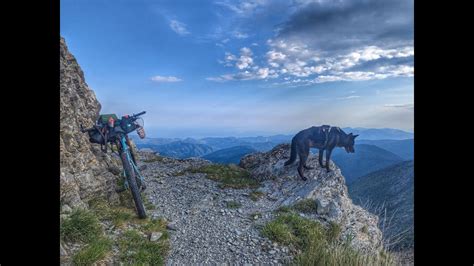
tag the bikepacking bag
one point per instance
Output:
(96, 137)
(128, 124)
(104, 119)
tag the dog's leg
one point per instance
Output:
(321, 154)
(328, 158)
(303, 157)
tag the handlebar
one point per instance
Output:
(139, 114)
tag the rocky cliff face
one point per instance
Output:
(328, 190)
(85, 171)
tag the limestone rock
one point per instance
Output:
(84, 169)
(329, 190)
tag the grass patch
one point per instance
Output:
(364, 229)
(233, 204)
(148, 205)
(333, 232)
(229, 176)
(305, 206)
(94, 251)
(81, 225)
(155, 226)
(283, 209)
(256, 195)
(118, 215)
(316, 243)
(135, 249)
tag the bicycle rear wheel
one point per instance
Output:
(132, 182)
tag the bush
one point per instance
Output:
(233, 204)
(228, 175)
(135, 249)
(306, 206)
(317, 244)
(256, 195)
(81, 225)
(93, 252)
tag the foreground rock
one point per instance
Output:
(202, 228)
(85, 171)
(329, 191)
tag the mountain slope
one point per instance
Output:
(392, 186)
(180, 149)
(366, 159)
(229, 155)
(404, 148)
(379, 133)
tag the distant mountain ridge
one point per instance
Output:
(393, 140)
(392, 186)
(404, 148)
(227, 142)
(379, 133)
(229, 155)
(179, 149)
(367, 158)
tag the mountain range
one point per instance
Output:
(367, 158)
(391, 188)
(229, 155)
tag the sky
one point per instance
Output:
(247, 68)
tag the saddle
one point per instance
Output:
(326, 129)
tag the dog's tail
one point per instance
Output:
(292, 153)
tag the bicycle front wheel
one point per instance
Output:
(132, 182)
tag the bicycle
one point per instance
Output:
(111, 130)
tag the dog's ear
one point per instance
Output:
(355, 136)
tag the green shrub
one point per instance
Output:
(256, 195)
(306, 206)
(283, 209)
(94, 251)
(81, 225)
(233, 204)
(156, 225)
(333, 231)
(317, 244)
(135, 249)
(228, 175)
(118, 215)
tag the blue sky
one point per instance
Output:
(245, 68)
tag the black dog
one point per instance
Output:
(323, 138)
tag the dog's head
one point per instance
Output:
(349, 145)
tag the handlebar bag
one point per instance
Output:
(128, 124)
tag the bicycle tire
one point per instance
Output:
(132, 183)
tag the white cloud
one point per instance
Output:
(178, 27)
(243, 8)
(240, 35)
(349, 97)
(165, 79)
(244, 61)
(296, 59)
(401, 105)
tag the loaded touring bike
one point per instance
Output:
(111, 130)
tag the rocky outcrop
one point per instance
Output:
(328, 190)
(85, 171)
